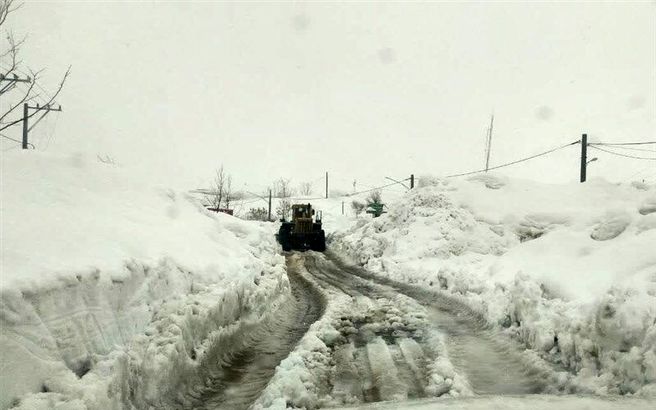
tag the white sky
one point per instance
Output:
(367, 90)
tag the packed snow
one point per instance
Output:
(327, 369)
(114, 291)
(568, 270)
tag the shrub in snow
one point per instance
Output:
(257, 214)
(358, 207)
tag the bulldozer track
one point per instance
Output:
(239, 380)
(488, 361)
(386, 351)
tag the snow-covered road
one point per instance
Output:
(487, 363)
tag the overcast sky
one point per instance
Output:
(174, 89)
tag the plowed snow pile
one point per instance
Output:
(569, 270)
(113, 292)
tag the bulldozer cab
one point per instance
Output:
(302, 211)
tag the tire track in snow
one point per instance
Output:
(238, 382)
(381, 352)
(492, 364)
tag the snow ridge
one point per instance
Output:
(569, 271)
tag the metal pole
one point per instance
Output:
(25, 126)
(326, 185)
(269, 217)
(584, 156)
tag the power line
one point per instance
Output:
(632, 149)
(23, 72)
(15, 140)
(373, 189)
(622, 155)
(623, 143)
(514, 162)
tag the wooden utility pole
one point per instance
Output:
(326, 184)
(46, 109)
(412, 181)
(269, 217)
(584, 156)
(25, 108)
(11, 82)
(488, 144)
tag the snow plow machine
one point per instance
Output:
(302, 232)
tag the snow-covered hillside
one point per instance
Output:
(114, 290)
(569, 270)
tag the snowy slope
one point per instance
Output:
(104, 276)
(570, 270)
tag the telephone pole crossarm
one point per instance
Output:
(15, 79)
(44, 108)
(26, 116)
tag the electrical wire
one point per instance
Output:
(373, 189)
(21, 71)
(514, 162)
(623, 155)
(15, 140)
(623, 143)
(653, 150)
(51, 134)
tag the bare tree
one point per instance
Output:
(13, 72)
(228, 191)
(305, 188)
(215, 197)
(282, 189)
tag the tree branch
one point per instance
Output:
(26, 96)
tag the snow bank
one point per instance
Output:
(569, 270)
(107, 280)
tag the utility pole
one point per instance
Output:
(269, 217)
(12, 82)
(342, 207)
(488, 144)
(584, 156)
(412, 181)
(326, 184)
(26, 107)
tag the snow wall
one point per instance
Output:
(568, 270)
(107, 281)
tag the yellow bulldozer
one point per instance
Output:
(304, 231)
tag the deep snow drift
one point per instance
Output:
(569, 270)
(114, 291)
